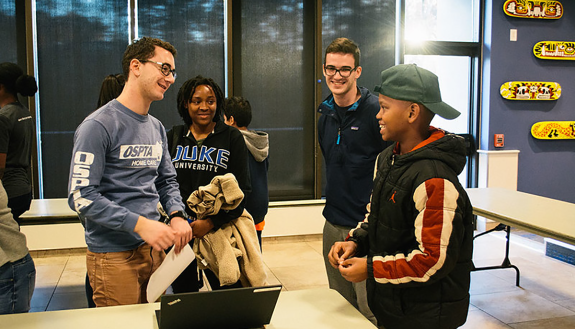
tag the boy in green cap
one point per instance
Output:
(418, 235)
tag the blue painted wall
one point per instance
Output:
(546, 168)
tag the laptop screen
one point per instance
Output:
(240, 308)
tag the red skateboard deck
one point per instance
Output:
(530, 90)
(541, 9)
(555, 50)
(553, 130)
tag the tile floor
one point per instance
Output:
(545, 299)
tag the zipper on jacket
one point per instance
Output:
(338, 135)
(392, 159)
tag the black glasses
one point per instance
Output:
(344, 72)
(165, 68)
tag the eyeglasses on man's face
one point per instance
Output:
(344, 72)
(165, 68)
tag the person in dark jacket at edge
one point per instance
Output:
(418, 234)
(349, 138)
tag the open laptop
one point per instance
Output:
(240, 308)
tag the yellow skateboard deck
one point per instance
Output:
(555, 50)
(553, 130)
(542, 9)
(530, 90)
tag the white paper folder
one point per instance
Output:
(170, 269)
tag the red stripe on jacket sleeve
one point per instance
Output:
(436, 201)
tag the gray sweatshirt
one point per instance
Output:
(120, 169)
(12, 241)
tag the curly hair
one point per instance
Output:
(187, 91)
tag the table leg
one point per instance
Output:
(506, 262)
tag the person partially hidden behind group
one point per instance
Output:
(194, 147)
(238, 113)
(111, 88)
(16, 137)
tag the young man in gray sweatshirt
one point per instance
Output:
(120, 170)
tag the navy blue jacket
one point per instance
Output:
(257, 201)
(257, 143)
(350, 148)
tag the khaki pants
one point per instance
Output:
(121, 278)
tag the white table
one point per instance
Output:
(49, 211)
(539, 215)
(536, 214)
(314, 308)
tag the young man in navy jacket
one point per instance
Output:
(350, 142)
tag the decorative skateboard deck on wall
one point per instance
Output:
(555, 50)
(553, 130)
(530, 90)
(542, 9)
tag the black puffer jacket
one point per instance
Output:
(419, 237)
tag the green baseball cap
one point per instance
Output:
(409, 82)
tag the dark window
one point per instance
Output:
(196, 29)
(271, 60)
(79, 43)
(275, 73)
(371, 25)
(8, 32)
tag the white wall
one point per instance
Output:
(294, 218)
(496, 169)
(54, 236)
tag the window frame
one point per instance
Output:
(27, 51)
(473, 50)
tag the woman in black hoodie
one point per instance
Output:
(202, 148)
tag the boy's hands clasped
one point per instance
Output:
(351, 268)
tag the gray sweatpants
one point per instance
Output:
(355, 293)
